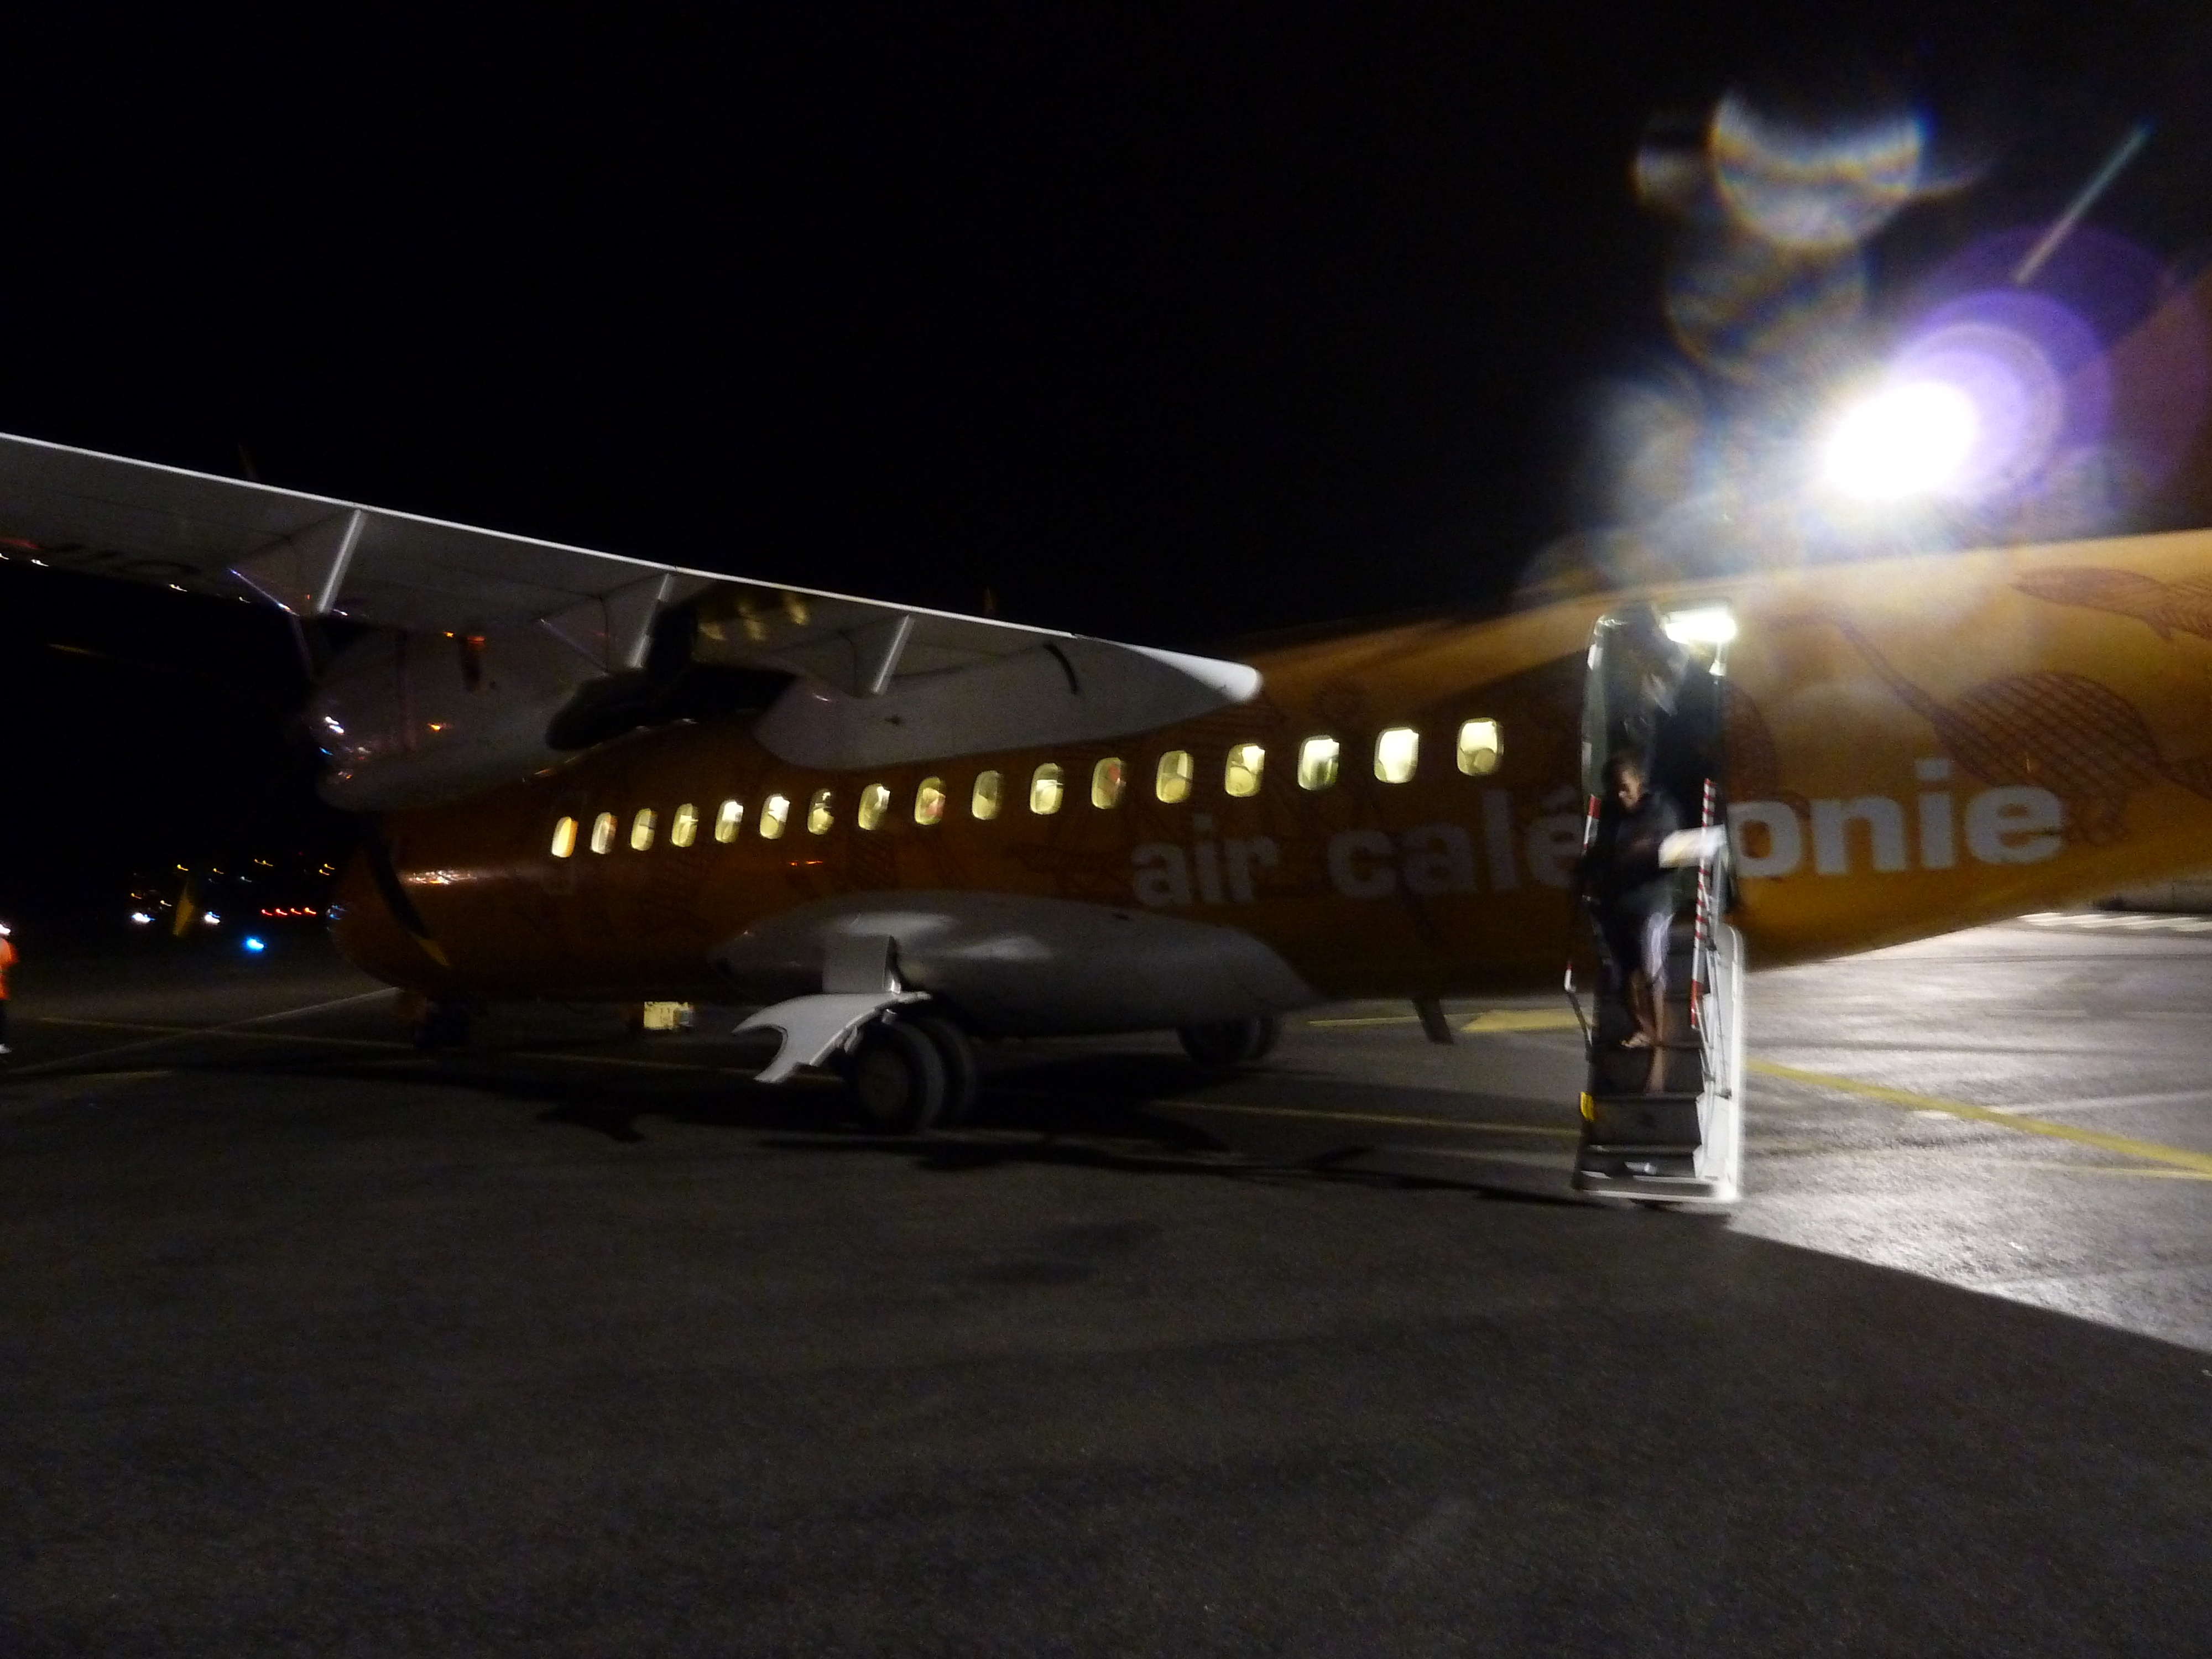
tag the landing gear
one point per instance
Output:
(1225, 1042)
(897, 1077)
(441, 1025)
(962, 1077)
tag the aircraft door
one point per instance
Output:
(1652, 947)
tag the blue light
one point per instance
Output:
(253, 946)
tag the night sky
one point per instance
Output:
(1172, 323)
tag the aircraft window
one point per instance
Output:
(1106, 780)
(684, 828)
(641, 829)
(1397, 751)
(1046, 788)
(929, 801)
(773, 810)
(1241, 774)
(729, 818)
(1171, 783)
(819, 818)
(874, 800)
(564, 838)
(1317, 763)
(989, 789)
(1480, 748)
(603, 832)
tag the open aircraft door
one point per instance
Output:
(1663, 1123)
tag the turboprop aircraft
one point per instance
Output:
(584, 776)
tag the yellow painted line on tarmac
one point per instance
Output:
(2109, 1169)
(1379, 1119)
(1521, 1019)
(2150, 1152)
(613, 1060)
(1496, 1019)
(389, 1044)
(226, 1033)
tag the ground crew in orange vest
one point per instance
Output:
(7, 960)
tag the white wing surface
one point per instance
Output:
(73, 509)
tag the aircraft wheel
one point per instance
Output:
(1228, 1042)
(1270, 1034)
(897, 1080)
(962, 1075)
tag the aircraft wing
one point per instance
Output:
(72, 509)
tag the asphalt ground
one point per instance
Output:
(581, 1343)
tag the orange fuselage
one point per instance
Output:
(1914, 745)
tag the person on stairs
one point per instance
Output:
(1634, 900)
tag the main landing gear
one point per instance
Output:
(911, 1072)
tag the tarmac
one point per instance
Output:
(581, 1343)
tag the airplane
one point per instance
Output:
(583, 776)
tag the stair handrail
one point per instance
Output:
(1577, 909)
(1708, 1015)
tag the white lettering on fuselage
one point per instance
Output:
(2013, 824)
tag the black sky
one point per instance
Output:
(1168, 324)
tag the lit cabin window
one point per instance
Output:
(875, 801)
(1480, 748)
(1171, 782)
(1397, 751)
(1106, 780)
(774, 811)
(564, 838)
(603, 832)
(1046, 787)
(684, 828)
(641, 829)
(819, 818)
(729, 818)
(929, 801)
(1240, 774)
(990, 789)
(1317, 763)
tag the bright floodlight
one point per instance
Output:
(1909, 440)
(1711, 624)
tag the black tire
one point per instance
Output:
(897, 1080)
(962, 1075)
(1228, 1042)
(1270, 1033)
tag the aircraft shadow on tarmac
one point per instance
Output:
(1055, 1106)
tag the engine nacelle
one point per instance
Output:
(407, 719)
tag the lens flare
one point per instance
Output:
(1815, 188)
(1909, 437)
(1743, 308)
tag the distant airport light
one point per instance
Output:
(140, 919)
(1903, 441)
(253, 946)
(1710, 624)
(210, 920)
